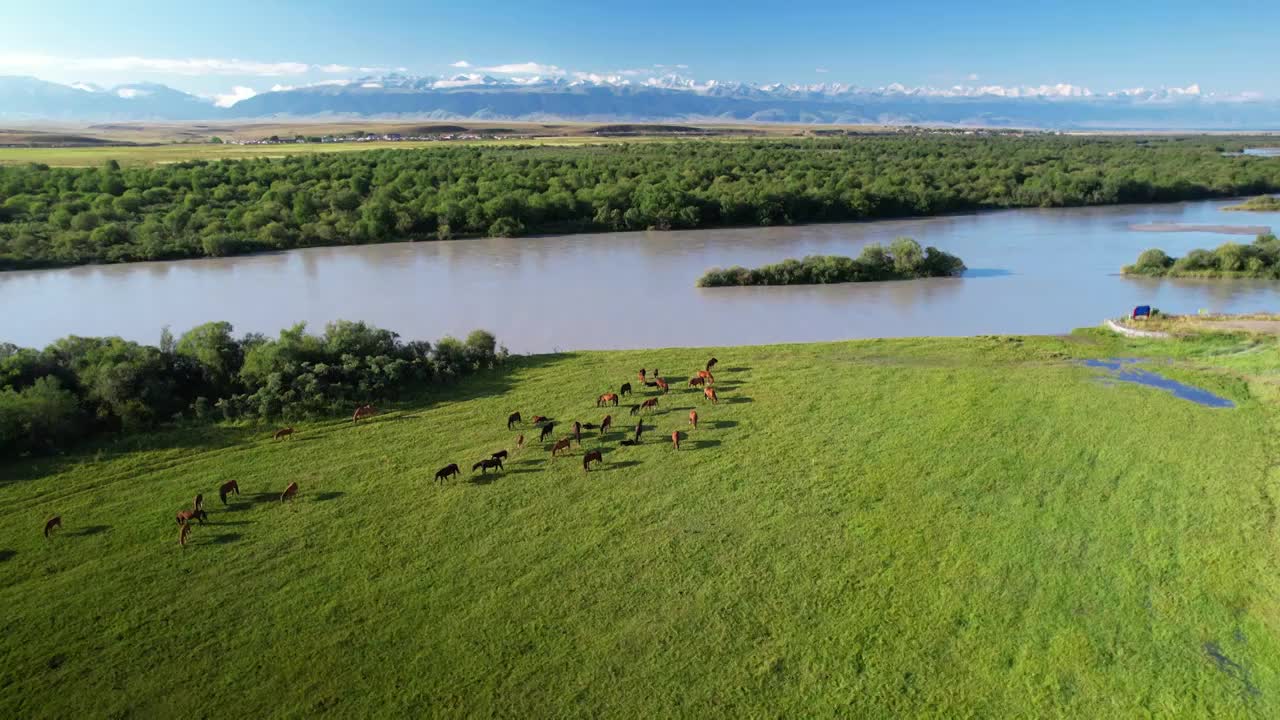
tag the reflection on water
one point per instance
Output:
(1033, 271)
(1123, 370)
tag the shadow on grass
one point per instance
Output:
(331, 495)
(485, 479)
(221, 523)
(620, 465)
(224, 539)
(522, 471)
(699, 444)
(7, 555)
(734, 369)
(238, 506)
(737, 400)
(720, 424)
(267, 497)
(90, 530)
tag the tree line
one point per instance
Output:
(904, 259)
(68, 216)
(78, 387)
(1261, 259)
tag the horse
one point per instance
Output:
(282, 433)
(364, 411)
(711, 363)
(710, 394)
(649, 383)
(649, 404)
(289, 492)
(706, 377)
(675, 439)
(539, 419)
(635, 409)
(186, 516)
(228, 487)
(577, 432)
(546, 432)
(450, 470)
(639, 429)
(520, 442)
(606, 424)
(591, 455)
(693, 419)
(198, 505)
(487, 463)
(500, 455)
(641, 374)
(607, 399)
(696, 382)
(54, 523)
(561, 444)
(183, 533)
(513, 418)
(655, 373)
(663, 386)
(625, 390)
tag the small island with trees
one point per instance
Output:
(1262, 203)
(904, 259)
(1261, 259)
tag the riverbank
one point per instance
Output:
(984, 498)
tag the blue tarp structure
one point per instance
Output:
(1142, 311)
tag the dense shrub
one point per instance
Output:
(69, 216)
(1261, 259)
(903, 260)
(77, 386)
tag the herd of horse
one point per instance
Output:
(546, 426)
(703, 379)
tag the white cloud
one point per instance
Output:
(524, 68)
(131, 93)
(821, 70)
(238, 93)
(971, 77)
(460, 64)
(335, 68)
(87, 87)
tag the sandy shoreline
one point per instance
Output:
(1220, 229)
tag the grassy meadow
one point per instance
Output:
(972, 527)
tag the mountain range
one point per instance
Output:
(670, 97)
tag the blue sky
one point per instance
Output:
(209, 48)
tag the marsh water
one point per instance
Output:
(1031, 271)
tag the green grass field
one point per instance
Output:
(940, 527)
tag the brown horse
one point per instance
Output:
(625, 390)
(484, 465)
(186, 516)
(606, 424)
(641, 374)
(649, 404)
(710, 394)
(512, 419)
(500, 455)
(561, 444)
(607, 399)
(54, 523)
(696, 381)
(589, 457)
(706, 377)
(183, 533)
(711, 363)
(577, 432)
(675, 439)
(282, 433)
(639, 429)
(693, 419)
(546, 432)
(450, 470)
(663, 386)
(228, 487)
(364, 411)
(539, 419)
(655, 373)
(198, 505)
(289, 492)
(520, 442)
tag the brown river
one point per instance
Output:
(1031, 271)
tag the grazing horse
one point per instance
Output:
(282, 433)
(289, 492)
(606, 424)
(607, 399)
(590, 456)
(675, 439)
(649, 404)
(540, 419)
(513, 418)
(183, 533)
(635, 409)
(706, 377)
(639, 429)
(577, 432)
(625, 389)
(487, 463)
(710, 394)
(561, 444)
(696, 381)
(711, 363)
(198, 505)
(520, 442)
(651, 383)
(663, 386)
(500, 455)
(641, 374)
(693, 419)
(55, 523)
(186, 516)
(364, 411)
(228, 487)
(450, 470)
(655, 373)
(546, 432)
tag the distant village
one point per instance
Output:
(363, 137)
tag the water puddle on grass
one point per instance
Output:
(1124, 370)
